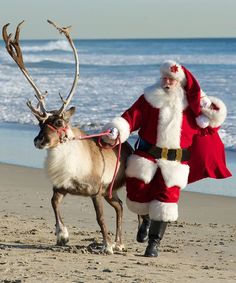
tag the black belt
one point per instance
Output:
(178, 154)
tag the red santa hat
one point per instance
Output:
(190, 84)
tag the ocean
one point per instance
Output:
(113, 74)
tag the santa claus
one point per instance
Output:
(173, 117)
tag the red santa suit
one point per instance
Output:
(166, 121)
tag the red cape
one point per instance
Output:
(207, 158)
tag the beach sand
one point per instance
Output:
(199, 247)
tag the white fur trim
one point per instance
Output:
(137, 207)
(163, 211)
(216, 117)
(140, 168)
(202, 94)
(174, 173)
(153, 95)
(169, 127)
(122, 125)
(172, 69)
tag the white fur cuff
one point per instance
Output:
(122, 125)
(174, 173)
(140, 168)
(163, 211)
(216, 117)
(138, 207)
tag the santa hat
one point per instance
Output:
(190, 84)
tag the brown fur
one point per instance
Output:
(92, 183)
(94, 165)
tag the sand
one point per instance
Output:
(199, 247)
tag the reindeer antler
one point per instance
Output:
(65, 31)
(14, 50)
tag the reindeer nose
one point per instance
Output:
(38, 142)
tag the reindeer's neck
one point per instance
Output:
(76, 132)
(73, 133)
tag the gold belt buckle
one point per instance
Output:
(179, 154)
(164, 153)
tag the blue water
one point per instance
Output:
(113, 74)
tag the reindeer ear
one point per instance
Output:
(70, 112)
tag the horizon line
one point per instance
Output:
(139, 38)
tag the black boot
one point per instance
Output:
(142, 235)
(156, 232)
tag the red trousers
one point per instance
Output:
(138, 191)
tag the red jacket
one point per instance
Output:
(149, 116)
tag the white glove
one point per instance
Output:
(205, 102)
(114, 132)
(202, 121)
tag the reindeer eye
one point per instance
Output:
(58, 123)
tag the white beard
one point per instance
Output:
(174, 94)
(171, 104)
(158, 97)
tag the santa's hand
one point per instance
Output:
(113, 134)
(205, 102)
(202, 121)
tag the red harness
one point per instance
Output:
(59, 131)
(105, 146)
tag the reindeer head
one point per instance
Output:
(55, 130)
(54, 125)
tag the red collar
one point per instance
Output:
(59, 131)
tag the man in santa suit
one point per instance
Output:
(170, 117)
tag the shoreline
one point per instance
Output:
(23, 153)
(200, 247)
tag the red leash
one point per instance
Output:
(102, 134)
(107, 146)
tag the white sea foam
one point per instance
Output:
(37, 54)
(109, 81)
(61, 45)
(116, 60)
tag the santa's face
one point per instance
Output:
(169, 84)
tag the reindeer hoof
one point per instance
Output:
(119, 247)
(62, 241)
(108, 249)
(62, 236)
(96, 248)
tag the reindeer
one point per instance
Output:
(74, 166)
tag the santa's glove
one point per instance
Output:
(202, 121)
(205, 102)
(113, 134)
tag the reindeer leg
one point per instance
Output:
(61, 230)
(98, 205)
(116, 203)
